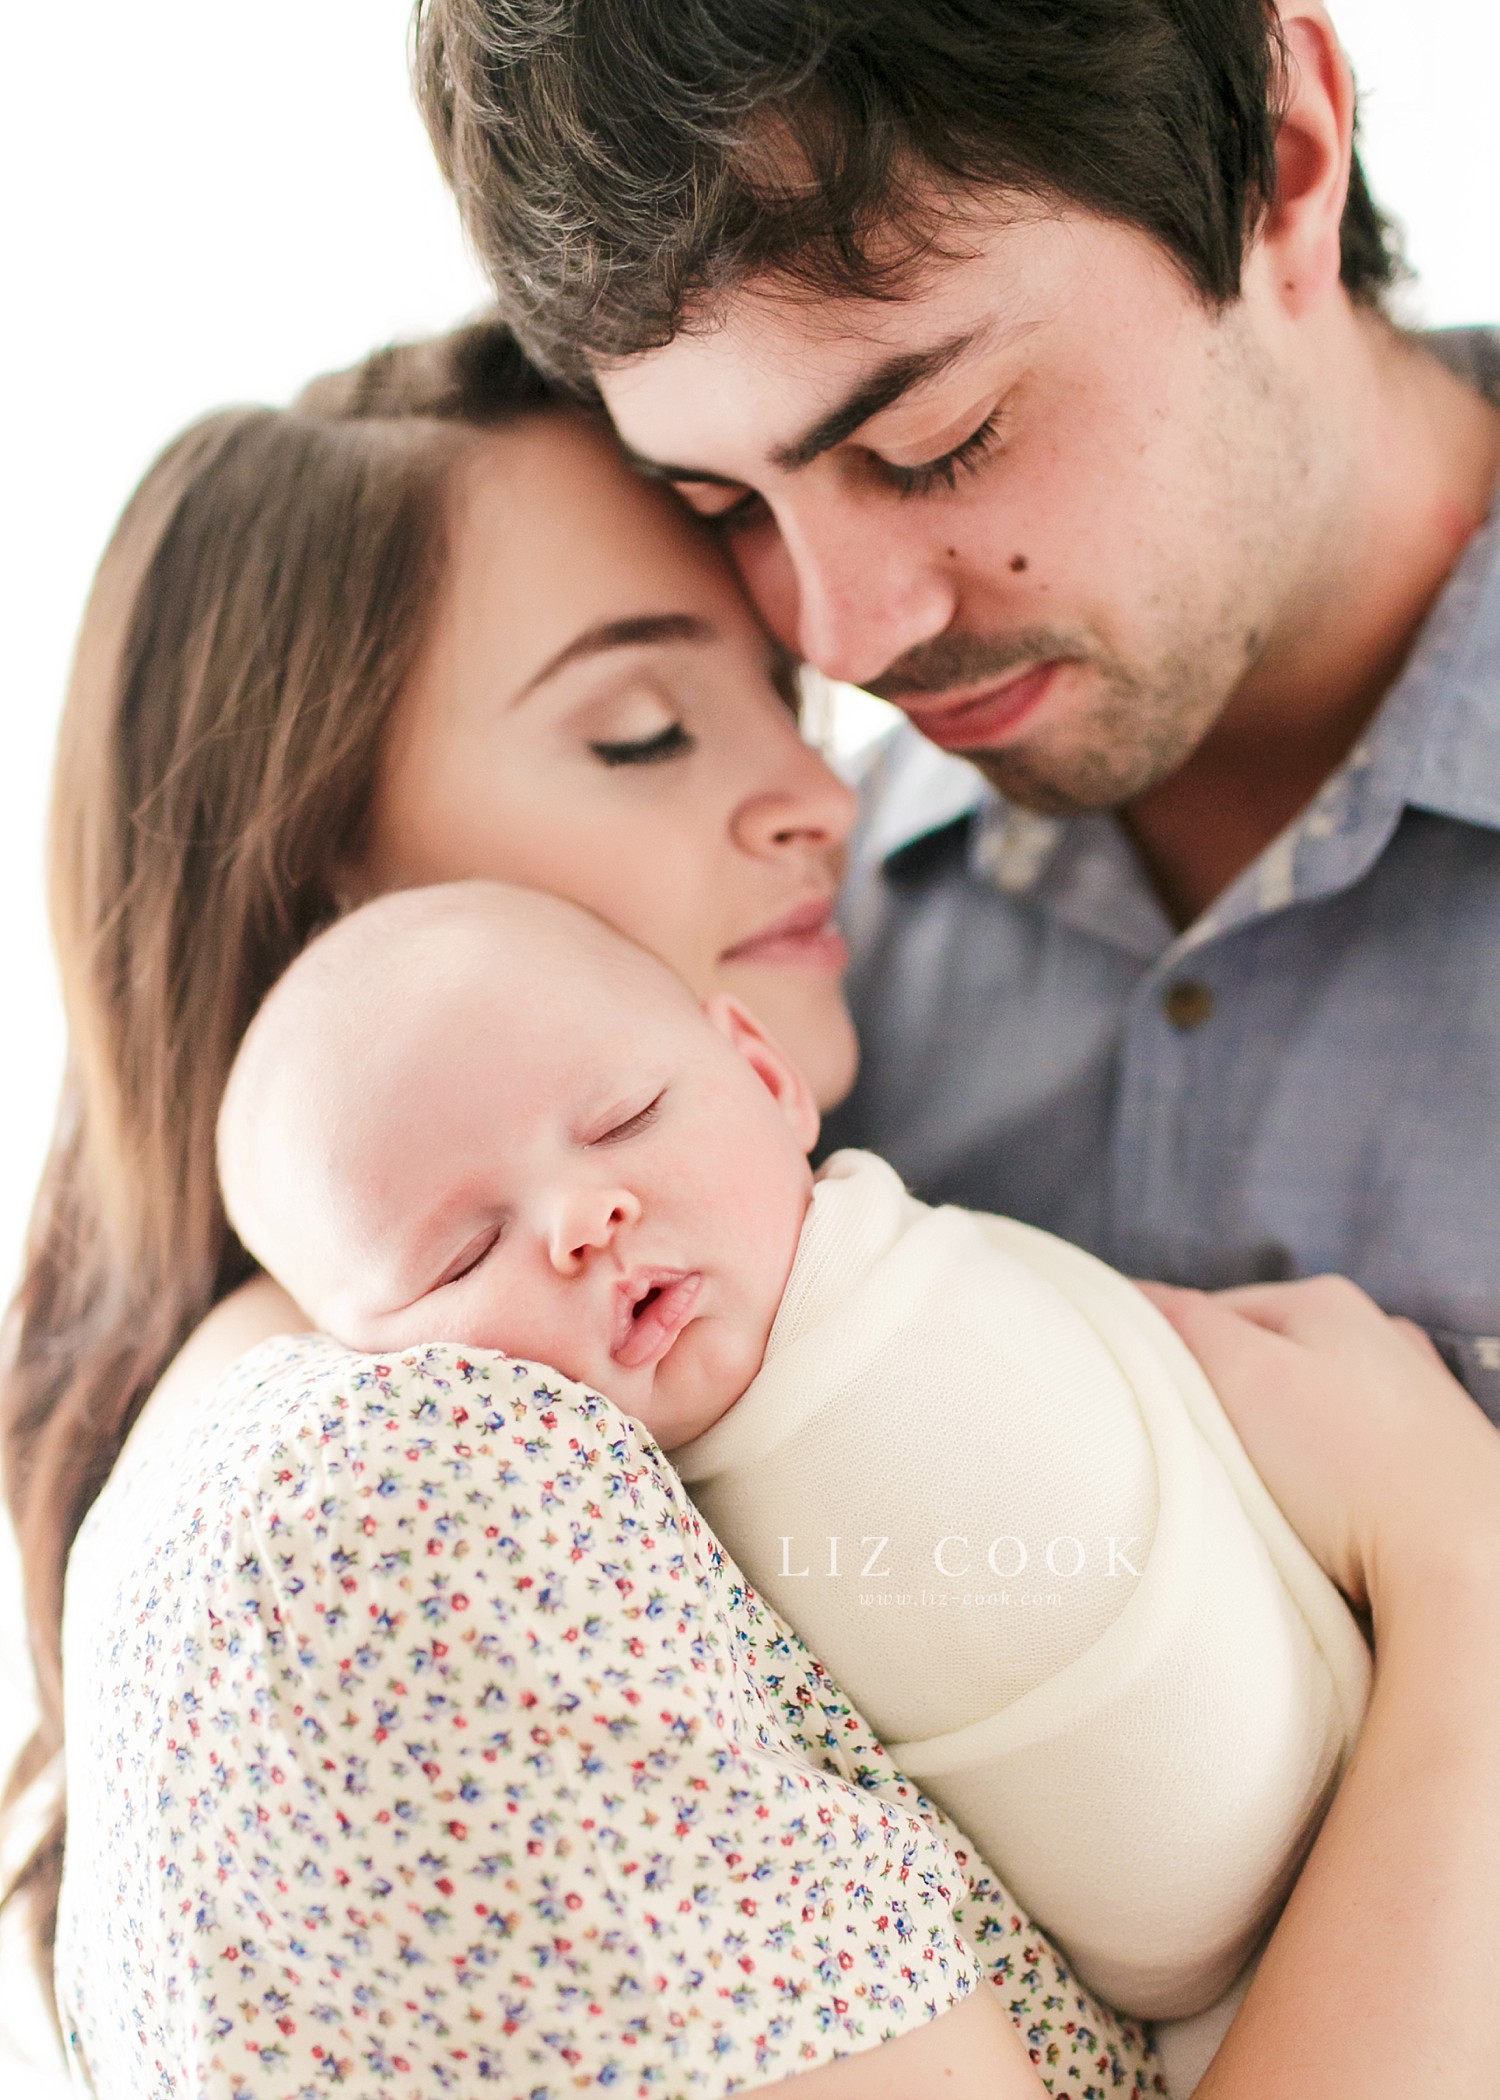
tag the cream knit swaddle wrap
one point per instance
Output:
(1142, 1756)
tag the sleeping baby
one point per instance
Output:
(974, 1467)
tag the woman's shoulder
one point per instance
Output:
(299, 1429)
(320, 1515)
(254, 1312)
(310, 1484)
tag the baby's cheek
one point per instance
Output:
(520, 1323)
(743, 1344)
(699, 1381)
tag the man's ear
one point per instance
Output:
(1314, 150)
(770, 1063)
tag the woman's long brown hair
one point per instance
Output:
(259, 608)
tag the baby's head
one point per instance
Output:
(476, 1114)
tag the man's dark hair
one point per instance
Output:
(624, 164)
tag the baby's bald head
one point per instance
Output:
(476, 1114)
(363, 1025)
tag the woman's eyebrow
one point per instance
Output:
(664, 470)
(621, 634)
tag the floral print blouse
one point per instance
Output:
(423, 1740)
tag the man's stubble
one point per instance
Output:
(1259, 499)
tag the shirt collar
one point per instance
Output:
(1453, 680)
(910, 788)
(1433, 744)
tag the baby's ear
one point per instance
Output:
(770, 1063)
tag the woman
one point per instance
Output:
(427, 626)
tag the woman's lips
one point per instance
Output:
(651, 1310)
(806, 936)
(987, 719)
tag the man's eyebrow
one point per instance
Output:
(633, 633)
(884, 386)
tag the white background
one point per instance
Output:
(205, 202)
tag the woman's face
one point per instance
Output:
(598, 713)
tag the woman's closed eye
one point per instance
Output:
(726, 506)
(670, 741)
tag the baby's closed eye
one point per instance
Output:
(631, 1125)
(467, 1260)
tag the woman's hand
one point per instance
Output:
(1378, 1457)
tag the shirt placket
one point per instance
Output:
(1170, 1074)
(1167, 1201)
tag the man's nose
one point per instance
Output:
(866, 587)
(586, 1221)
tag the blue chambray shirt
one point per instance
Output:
(1307, 1079)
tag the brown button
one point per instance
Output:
(1187, 1004)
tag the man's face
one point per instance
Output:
(1049, 503)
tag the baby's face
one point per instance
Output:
(564, 1167)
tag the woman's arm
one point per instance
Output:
(971, 2053)
(511, 1738)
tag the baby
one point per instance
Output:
(971, 1464)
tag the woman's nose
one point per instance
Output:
(586, 1221)
(805, 806)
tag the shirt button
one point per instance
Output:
(1187, 1004)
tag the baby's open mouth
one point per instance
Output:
(651, 1310)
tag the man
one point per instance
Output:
(1029, 355)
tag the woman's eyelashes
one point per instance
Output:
(670, 741)
(944, 471)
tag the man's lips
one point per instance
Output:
(981, 721)
(651, 1309)
(806, 935)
